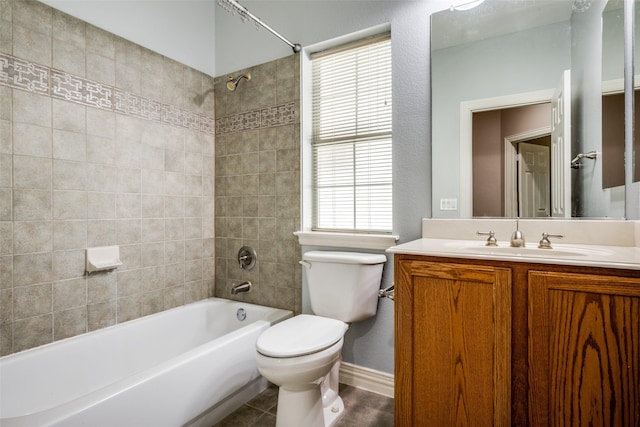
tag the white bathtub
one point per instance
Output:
(191, 365)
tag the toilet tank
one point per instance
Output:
(343, 285)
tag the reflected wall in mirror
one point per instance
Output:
(505, 54)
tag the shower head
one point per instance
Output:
(232, 83)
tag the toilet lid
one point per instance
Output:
(300, 335)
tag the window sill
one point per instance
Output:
(346, 240)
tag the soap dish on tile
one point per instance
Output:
(103, 258)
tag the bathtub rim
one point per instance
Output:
(277, 315)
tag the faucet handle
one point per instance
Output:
(491, 240)
(545, 243)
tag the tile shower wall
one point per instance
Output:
(102, 142)
(258, 183)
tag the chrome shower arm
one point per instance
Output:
(575, 163)
(233, 5)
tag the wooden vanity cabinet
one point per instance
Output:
(584, 341)
(453, 340)
(492, 343)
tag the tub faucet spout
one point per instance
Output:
(241, 287)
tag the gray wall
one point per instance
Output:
(101, 143)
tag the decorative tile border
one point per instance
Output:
(24, 75)
(277, 115)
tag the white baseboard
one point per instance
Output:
(366, 379)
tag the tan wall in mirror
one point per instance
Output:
(488, 193)
(612, 140)
(490, 128)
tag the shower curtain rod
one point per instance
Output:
(233, 6)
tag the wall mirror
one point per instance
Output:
(517, 100)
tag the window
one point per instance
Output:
(351, 141)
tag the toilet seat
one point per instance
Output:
(300, 335)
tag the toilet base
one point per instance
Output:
(304, 408)
(333, 413)
(311, 405)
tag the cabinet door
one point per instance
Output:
(452, 345)
(584, 350)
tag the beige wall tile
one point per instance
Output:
(69, 116)
(30, 301)
(6, 306)
(32, 236)
(131, 257)
(69, 175)
(32, 45)
(69, 204)
(6, 238)
(69, 58)
(128, 205)
(6, 272)
(31, 172)
(68, 264)
(70, 294)
(31, 140)
(173, 297)
(74, 176)
(152, 302)
(6, 204)
(6, 129)
(30, 205)
(101, 287)
(129, 282)
(6, 170)
(152, 254)
(129, 231)
(129, 308)
(101, 205)
(69, 323)
(102, 178)
(69, 145)
(101, 233)
(174, 274)
(32, 332)
(31, 108)
(101, 315)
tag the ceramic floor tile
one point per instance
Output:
(362, 409)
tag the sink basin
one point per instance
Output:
(558, 251)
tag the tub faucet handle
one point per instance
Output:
(247, 258)
(545, 243)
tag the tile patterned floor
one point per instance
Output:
(362, 409)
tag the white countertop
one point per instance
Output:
(623, 257)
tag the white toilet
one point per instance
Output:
(302, 354)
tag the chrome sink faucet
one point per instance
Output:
(517, 238)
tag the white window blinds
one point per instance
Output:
(352, 137)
